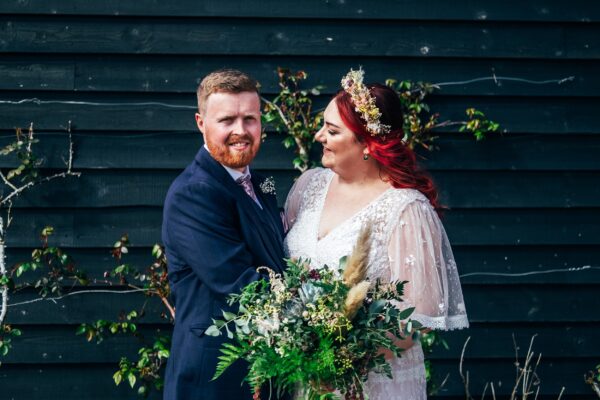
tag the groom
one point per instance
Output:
(220, 222)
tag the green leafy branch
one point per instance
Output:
(57, 273)
(146, 371)
(420, 122)
(291, 112)
(7, 332)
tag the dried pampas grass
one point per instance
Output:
(355, 298)
(357, 263)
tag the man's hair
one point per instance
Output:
(227, 81)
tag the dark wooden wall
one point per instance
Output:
(524, 200)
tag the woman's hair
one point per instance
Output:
(396, 160)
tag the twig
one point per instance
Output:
(460, 370)
(43, 180)
(279, 111)
(70, 162)
(7, 182)
(484, 390)
(4, 307)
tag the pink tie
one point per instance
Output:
(244, 182)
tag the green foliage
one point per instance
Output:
(57, 274)
(291, 112)
(55, 267)
(420, 122)
(297, 330)
(592, 378)
(29, 162)
(7, 332)
(146, 371)
(429, 341)
(100, 328)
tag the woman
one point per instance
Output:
(371, 177)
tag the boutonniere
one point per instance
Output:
(268, 186)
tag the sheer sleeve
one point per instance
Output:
(294, 198)
(420, 253)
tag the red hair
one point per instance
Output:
(395, 159)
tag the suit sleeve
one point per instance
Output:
(203, 233)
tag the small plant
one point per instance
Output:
(527, 382)
(7, 332)
(153, 282)
(592, 378)
(291, 112)
(420, 122)
(429, 341)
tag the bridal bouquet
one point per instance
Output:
(315, 331)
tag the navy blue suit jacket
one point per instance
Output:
(215, 236)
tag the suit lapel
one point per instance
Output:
(260, 218)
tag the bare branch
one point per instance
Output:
(460, 371)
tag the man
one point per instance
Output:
(218, 226)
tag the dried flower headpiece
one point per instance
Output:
(364, 103)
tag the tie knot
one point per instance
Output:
(242, 180)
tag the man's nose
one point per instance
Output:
(238, 126)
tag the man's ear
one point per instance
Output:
(200, 122)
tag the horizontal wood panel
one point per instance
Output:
(175, 150)
(519, 265)
(163, 112)
(484, 303)
(80, 308)
(553, 375)
(85, 227)
(297, 37)
(148, 73)
(87, 381)
(490, 265)
(458, 189)
(58, 344)
(540, 10)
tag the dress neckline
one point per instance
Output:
(347, 220)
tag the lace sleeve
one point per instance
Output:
(294, 198)
(420, 253)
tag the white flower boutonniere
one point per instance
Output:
(268, 186)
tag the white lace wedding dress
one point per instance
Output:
(408, 243)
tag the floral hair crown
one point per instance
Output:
(364, 103)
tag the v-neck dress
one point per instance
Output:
(408, 243)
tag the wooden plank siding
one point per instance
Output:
(524, 201)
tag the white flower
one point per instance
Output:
(268, 186)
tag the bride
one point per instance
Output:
(371, 177)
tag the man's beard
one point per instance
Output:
(233, 158)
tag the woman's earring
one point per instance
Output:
(365, 156)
